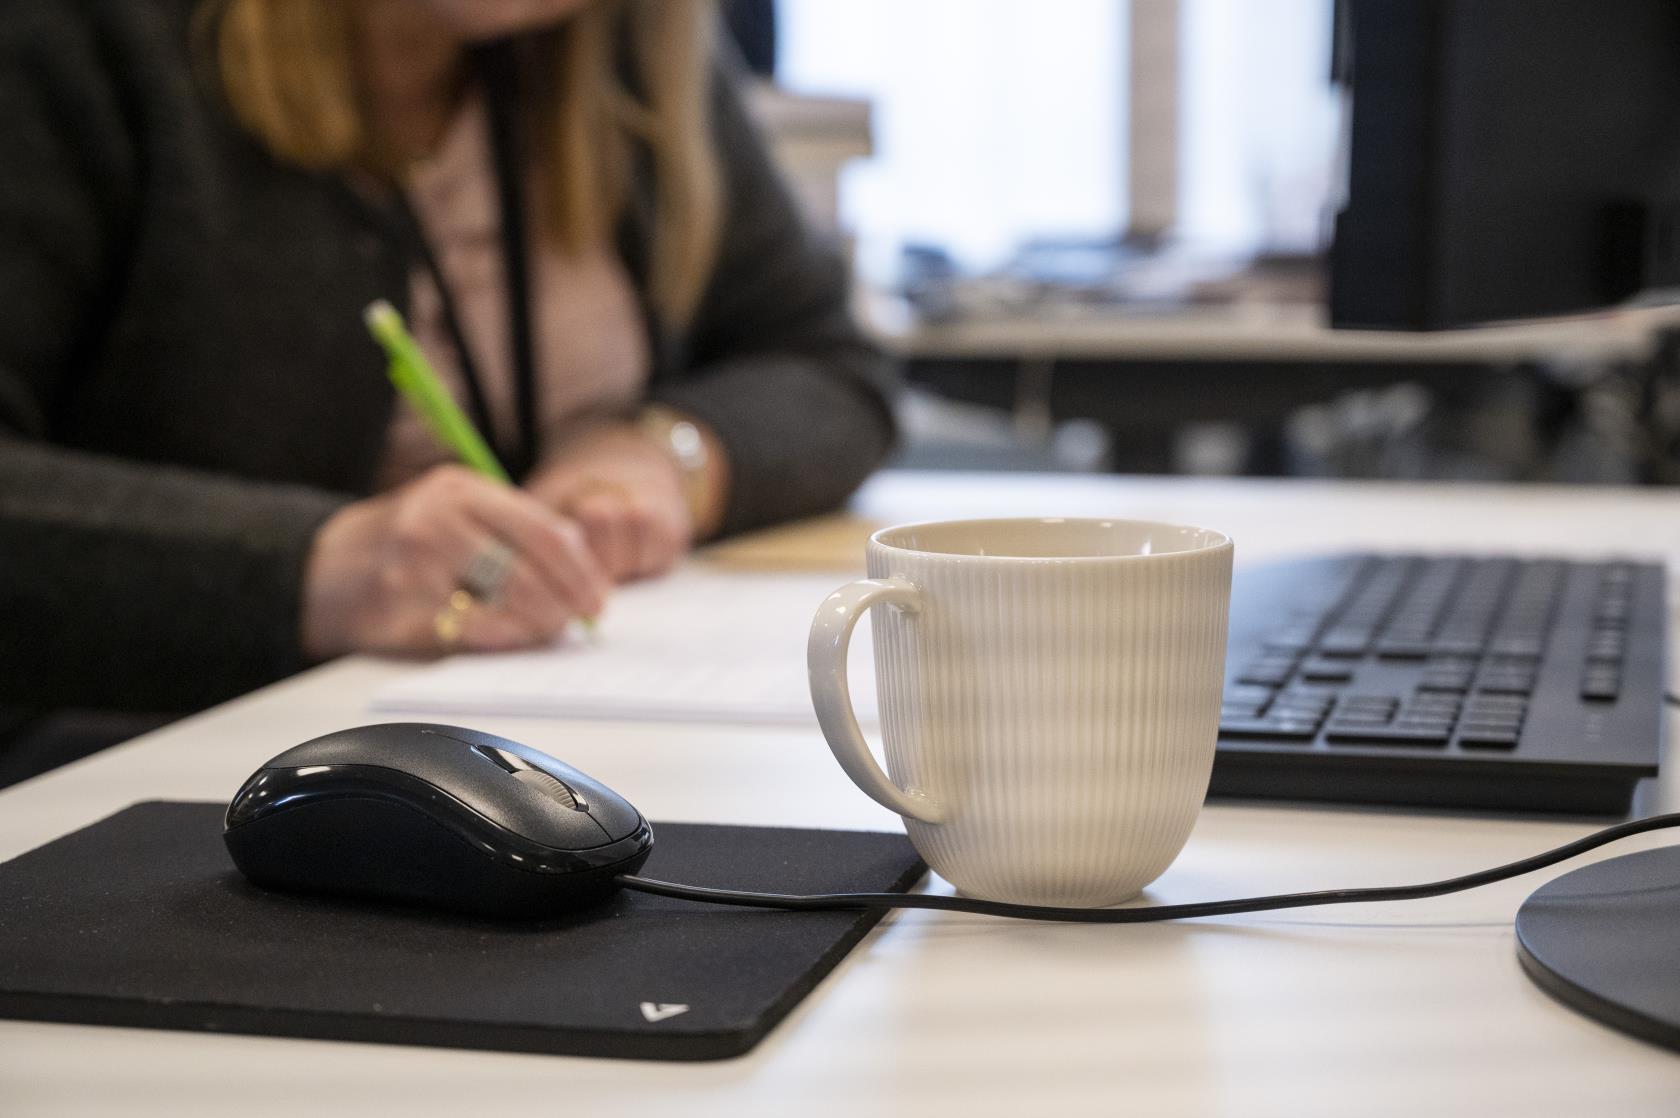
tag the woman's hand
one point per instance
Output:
(627, 495)
(383, 572)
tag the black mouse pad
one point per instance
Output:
(141, 920)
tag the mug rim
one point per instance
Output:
(1220, 540)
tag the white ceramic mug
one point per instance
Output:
(1049, 693)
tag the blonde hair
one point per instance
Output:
(287, 69)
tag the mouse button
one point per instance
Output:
(554, 789)
(501, 758)
(512, 763)
(524, 805)
(613, 812)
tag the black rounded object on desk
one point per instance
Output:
(441, 816)
(1605, 940)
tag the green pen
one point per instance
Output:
(414, 378)
(412, 374)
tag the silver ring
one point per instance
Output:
(488, 571)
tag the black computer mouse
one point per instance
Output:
(438, 816)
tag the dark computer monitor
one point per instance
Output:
(1512, 159)
(1505, 159)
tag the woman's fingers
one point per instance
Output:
(660, 542)
(631, 538)
(540, 610)
(487, 627)
(548, 575)
(554, 555)
(601, 515)
(453, 560)
(547, 546)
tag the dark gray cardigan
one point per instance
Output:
(186, 390)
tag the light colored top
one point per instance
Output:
(591, 351)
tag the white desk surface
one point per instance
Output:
(1410, 1009)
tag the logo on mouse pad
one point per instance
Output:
(658, 1011)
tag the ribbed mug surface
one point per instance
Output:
(1062, 708)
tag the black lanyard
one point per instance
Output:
(495, 64)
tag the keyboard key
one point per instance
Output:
(1431, 725)
(1499, 702)
(1294, 722)
(1287, 647)
(1448, 674)
(1327, 671)
(1488, 739)
(1446, 717)
(1491, 721)
(1485, 705)
(1492, 725)
(1315, 708)
(1260, 729)
(1517, 646)
(1358, 721)
(1292, 639)
(1309, 691)
(1380, 702)
(1458, 646)
(1267, 675)
(1362, 718)
(1349, 643)
(1495, 698)
(1383, 735)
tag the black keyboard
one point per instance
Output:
(1448, 681)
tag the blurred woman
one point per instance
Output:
(206, 480)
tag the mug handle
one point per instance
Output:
(831, 693)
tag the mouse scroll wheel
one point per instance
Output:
(552, 788)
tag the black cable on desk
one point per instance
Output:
(1150, 914)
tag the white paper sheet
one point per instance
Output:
(697, 646)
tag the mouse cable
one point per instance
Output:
(1150, 913)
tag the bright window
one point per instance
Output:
(994, 119)
(1001, 120)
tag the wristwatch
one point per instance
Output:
(680, 438)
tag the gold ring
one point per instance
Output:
(451, 619)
